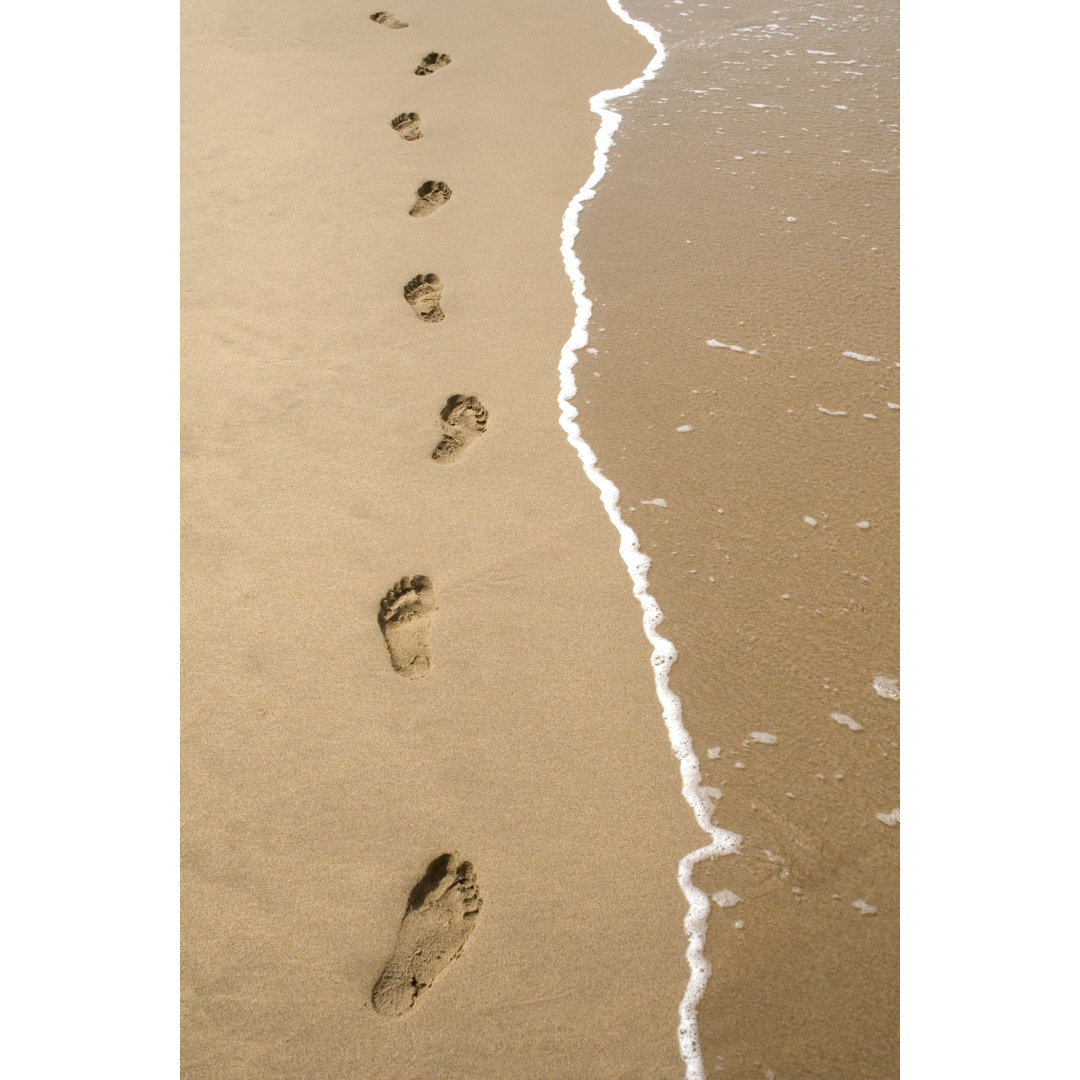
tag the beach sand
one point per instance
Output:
(318, 783)
(320, 780)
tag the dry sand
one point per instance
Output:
(319, 783)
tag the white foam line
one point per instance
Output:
(721, 841)
(734, 348)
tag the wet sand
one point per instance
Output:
(318, 782)
(756, 179)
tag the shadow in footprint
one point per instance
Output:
(436, 871)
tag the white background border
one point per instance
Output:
(90, 459)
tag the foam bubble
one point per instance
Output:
(810, 520)
(713, 752)
(891, 818)
(840, 718)
(734, 348)
(863, 357)
(763, 737)
(863, 908)
(862, 524)
(685, 427)
(832, 412)
(725, 898)
(653, 502)
(886, 687)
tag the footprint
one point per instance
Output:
(432, 62)
(464, 418)
(429, 197)
(439, 918)
(424, 293)
(405, 619)
(388, 18)
(407, 125)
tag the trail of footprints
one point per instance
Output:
(444, 904)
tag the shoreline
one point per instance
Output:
(664, 654)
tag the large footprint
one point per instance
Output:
(405, 618)
(439, 918)
(424, 293)
(463, 419)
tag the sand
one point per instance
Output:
(318, 783)
(513, 724)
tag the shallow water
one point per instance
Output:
(740, 387)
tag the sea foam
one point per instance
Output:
(721, 841)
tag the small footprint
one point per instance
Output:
(424, 293)
(432, 62)
(407, 125)
(439, 918)
(389, 19)
(463, 420)
(429, 197)
(405, 618)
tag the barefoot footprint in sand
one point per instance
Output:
(407, 125)
(432, 62)
(429, 197)
(464, 419)
(405, 619)
(439, 918)
(388, 18)
(424, 293)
